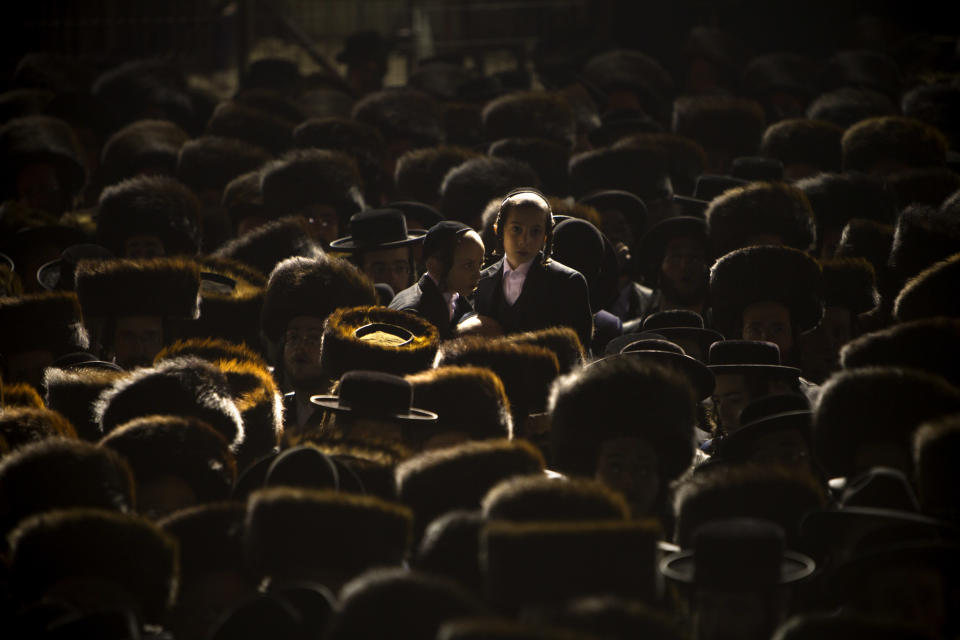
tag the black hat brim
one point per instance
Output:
(793, 567)
(414, 415)
(348, 244)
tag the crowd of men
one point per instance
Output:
(595, 350)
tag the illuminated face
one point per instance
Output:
(137, 339)
(301, 349)
(769, 321)
(684, 265)
(323, 223)
(524, 234)
(464, 274)
(391, 266)
(730, 396)
(629, 465)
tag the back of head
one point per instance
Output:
(537, 498)
(886, 144)
(931, 345)
(936, 475)
(468, 187)
(419, 172)
(530, 115)
(930, 293)
(20, 426)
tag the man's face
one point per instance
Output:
(391, 266)
(143, 247)
(769, 321)
(137, 339)
(323, 223)
(467, 260)
(629, 465)
(620, 234)
(730, 396)
(368, 429)
(684, 266)
(524, 234)
(784, 447)
(301, 350)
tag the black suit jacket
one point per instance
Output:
(425, 299)
(553, 294)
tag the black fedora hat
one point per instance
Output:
(766, 415)
(423, 213)
(710, 186)
(57, 275)
(378, 229)
(672, 354)
(738, 554)
(374, 394)
(690, 207)
(680, 324)
(743, 356)
(654, 242)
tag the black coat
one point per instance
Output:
(425, 299)
(553, 294)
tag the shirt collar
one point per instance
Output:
(521, 270)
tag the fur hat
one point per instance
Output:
(622, 397)
(231, 294)
(211, 162)
(777, 494)
(252, 125)
(530, 114)
(468, 187)
(420, 172)
(539, 498)
(652, 245)
(339, 134)
(686, 158)
(450, 547)
(548, 159)
(870, 240)
(849, 283)
(863, 68)
(90, 543)
(760, 209)
(20, 394)
(935, 103)
(870, 406)
(72, 392)
(181, 446)
(143, 146)
(936, 471)
(86, 476)
(927, 186)
(469, 399)
(209, 537)
(166, 287)
(765, 274)
(733, 125)
(636, 72)
(847, 106)
(243, 199)
(267, 245)
(892, 139)
(552, 562)
(347, 346)
(304, 178)
(837, 198)
(211, 350)
(187, 387)
(922, 237)
(39, 138)
(402, 115)
(805, 142)
(639, 171)
(527, 371)
(562, 341)
(20, 426)
(41, 321)
(153, 206)
(438, 481)
(289, 531)
(931, 345)
(930, 293)
(152, 85)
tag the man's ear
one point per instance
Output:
(433, 265)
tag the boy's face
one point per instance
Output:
(524, 234)
(467, 260)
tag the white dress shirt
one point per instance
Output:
(448, 297)
(513, 280)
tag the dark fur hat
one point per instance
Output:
(231, 294)
(42, 321)
(552, 562)
(450, 547)
(21, 425)
(307, 177)
(20, 394)
(86, 476)
(936, 470)
(539, 498)
(211, 162)
(420, 172)
(602, 401)
(849, 283)
(311, 287)
(875, 406)
(181, 446)
(462, 124)
(733, 125)
(289, 531)
(760, 209)
(777, 494)
(153, 206)
(468, 187)
(90, 543)
(562, 341)
(442, 480)
(937, 104)
(211, 350)
(187, 387)
(548, 159)
(339, 134)
(72, 392)
(806, 142)
(639, 171)
(870, 240)
(145, 145)
(242, 198)
(931, 345)
(892, 139)
(862, 68)
(469, 399)
(40, 139)
(260, 403)
(530, 114)
(686, 158)
(847, 106)
(252, 125)
(527, 371)
(928, 186)
(837, 198)
(624, 69)
(922, 237)
(402, 114)
(344, 351)
(269, 244)
(209, 536)
(166, 287)
(765, 274)
(146, 86)
(930, 293)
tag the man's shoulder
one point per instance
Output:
(406, 299)
(560, 271)
(492, 270)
